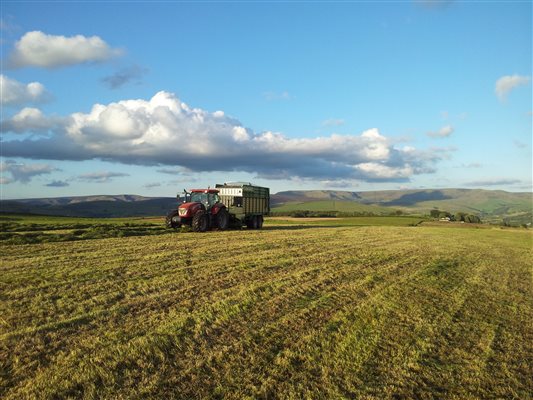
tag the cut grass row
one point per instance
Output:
(26, 229)
(292, 312)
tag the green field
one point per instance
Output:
(27, 229)
(330, 205)
(325, 309)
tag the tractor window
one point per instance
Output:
(215, 198)
(199, 197)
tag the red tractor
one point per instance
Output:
(201, 209)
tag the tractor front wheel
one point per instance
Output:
(200, 221)
(170, 220)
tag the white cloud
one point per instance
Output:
(30, 120)
(385, 172)
(37, 49)
(21, 172)
(507, 83)
(494, 182)
(333, 122)
(273, 96)
(334, 184)
(152, 185)
(100, 177)
(15, 93)
(471, 165)
(445, 131)
(166, 131)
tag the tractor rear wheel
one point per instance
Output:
(200, 221)
(222, 220)
(170, 222)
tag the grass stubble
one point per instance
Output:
(287, 312)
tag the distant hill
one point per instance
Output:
(125, 205)
(489, 204)
(331, 205)
(313, 195)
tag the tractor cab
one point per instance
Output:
(207, 197)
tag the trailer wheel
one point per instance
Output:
(169, 221)
(250, 222)
(253, 222)
(259, 222)
(200, 221)
(222, 220)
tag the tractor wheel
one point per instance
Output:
(252, 222)
(200, 221)
(222, 220)
(169, 222)
(259, 221)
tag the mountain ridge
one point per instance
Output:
(480, 201)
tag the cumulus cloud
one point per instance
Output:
(443, 132)
(100, 177)
(57, 184)
(124, 76)
(21, 172)
(507, 83)
(38, 49)
(31, 120)
(167, 132)
(15, 93)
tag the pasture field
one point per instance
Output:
(312, 310)
(331, 205)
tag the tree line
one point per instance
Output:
(458, 216)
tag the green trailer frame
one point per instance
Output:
(246, 203)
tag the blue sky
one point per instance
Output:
(150, 98)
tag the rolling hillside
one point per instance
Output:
(92, 206)
(491, 205)
(487, 203)
(332, 205)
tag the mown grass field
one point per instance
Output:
(289, 312)
(27, 229)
